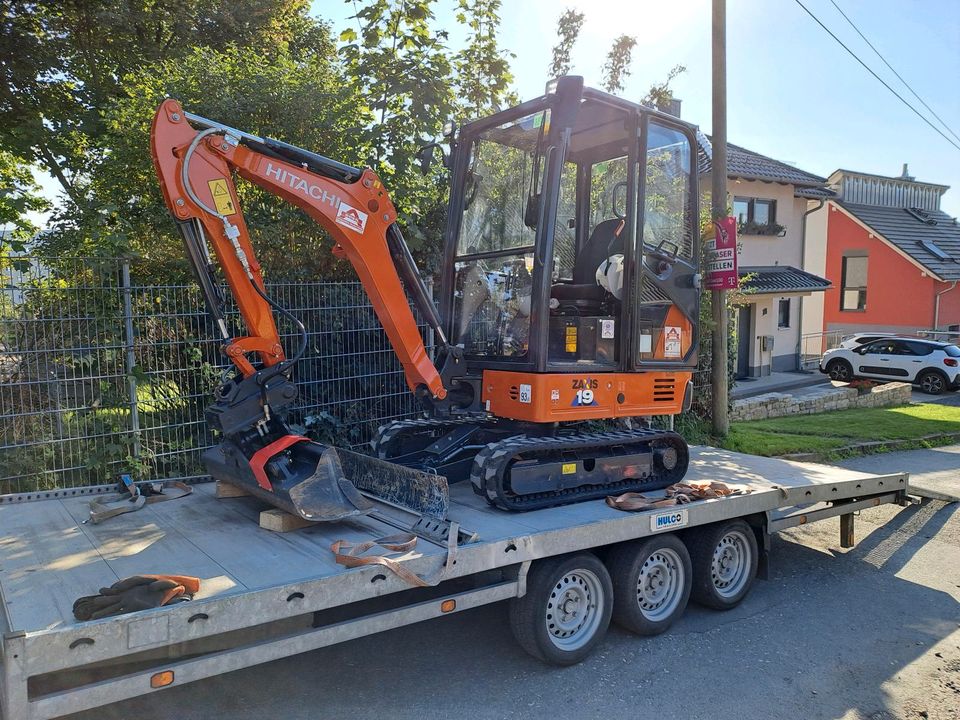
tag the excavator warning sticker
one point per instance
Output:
(351, 217)
(221, 196)
(671, 341)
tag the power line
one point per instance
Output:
(869, 70)
(899, 77)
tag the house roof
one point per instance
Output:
(930, 237)
(749, 165)
(771, 279)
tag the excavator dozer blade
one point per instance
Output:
(422, 492)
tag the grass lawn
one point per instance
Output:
(827, 432)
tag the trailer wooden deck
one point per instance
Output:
(254, 577)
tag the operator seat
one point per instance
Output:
(584, 294)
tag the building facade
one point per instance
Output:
(769, 199)
(893, 257)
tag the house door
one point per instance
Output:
(743, 341)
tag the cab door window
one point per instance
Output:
(668, 296)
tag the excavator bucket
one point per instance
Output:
(325, 484)
(327, 495)
(333, 491)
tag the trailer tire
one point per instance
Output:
(724, 557)
(566, 610)
(652, 579)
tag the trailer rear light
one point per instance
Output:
(949, 362)
(448, 606)
(161, 679)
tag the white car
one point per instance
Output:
(934, 366)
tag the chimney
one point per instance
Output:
(905, 175)
(670, 106)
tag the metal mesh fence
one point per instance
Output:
(102, 372)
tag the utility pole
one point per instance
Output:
(721, 421)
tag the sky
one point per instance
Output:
(793, 93)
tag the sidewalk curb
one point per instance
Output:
(858, 448)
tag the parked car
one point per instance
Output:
(934, 366)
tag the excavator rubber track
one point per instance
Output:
(658, 458)
(394, 430)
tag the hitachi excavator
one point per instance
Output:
(569, 294)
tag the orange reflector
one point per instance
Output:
(161, 679)
(448, 606)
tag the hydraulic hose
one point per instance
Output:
(232, 233)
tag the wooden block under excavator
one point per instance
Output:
(281, 521)
(226, 490)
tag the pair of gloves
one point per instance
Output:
(140, 592)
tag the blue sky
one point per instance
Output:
(793, 92)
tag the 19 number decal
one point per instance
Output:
(585, 391)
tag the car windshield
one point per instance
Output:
(952, 350)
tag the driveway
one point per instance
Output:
(864, 634)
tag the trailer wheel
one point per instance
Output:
(651, 583)
(566, 610)
(724, 559)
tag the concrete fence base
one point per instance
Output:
(775, 404)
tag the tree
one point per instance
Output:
(617, 67)
(659, 95)
(568, 28)
(304, 100)
(483, 70)
(63, 62)
(18, 195)
(402, 66)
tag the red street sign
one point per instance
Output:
(722, 256)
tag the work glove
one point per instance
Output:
(139, 592)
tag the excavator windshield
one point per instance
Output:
(497, 238)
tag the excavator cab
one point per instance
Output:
(572, 247)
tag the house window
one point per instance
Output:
(853, 293)
(783, 313)
(756, 216)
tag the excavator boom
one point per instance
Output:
(196, 174)
(196, 160)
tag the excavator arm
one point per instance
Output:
(196, 170)
(196, 160)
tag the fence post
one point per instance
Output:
(131, 360)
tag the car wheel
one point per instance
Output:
(932, 382)
(840, 370)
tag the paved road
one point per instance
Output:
(872, 633)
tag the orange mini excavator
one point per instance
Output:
(570, 293)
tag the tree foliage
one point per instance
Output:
(304, 101)
(403, 69)
(66, 61)
(18, 196)
(483, 69)
(568, 29)
(616, 69)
